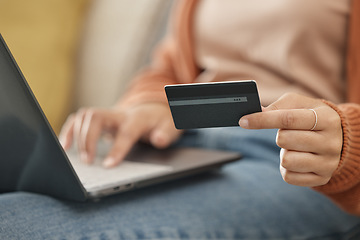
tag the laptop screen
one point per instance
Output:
(31, 157)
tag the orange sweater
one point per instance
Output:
(174, 62)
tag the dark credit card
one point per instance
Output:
(216, 104)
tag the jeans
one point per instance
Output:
(245, 200)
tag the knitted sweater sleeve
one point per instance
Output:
(344, 186)
(148, 86)
(173, 61)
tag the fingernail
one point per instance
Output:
(63, 142)
(109, 162)
(84, 157)
(159, 139)
(244, 122)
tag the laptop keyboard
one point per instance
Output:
(95, 176)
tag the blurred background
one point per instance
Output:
(81, 53)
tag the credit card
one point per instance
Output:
(215, 104)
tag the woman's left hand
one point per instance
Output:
(310, 142)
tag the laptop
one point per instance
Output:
(33, 160)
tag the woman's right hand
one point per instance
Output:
(150, 122)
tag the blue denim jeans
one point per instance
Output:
(245, 200)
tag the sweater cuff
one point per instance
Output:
(132, 100)
(347, 175)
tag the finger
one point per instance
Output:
(302, 141)
(95, 124)
(164, 134)
(67, 131)
(302, 162)
(78, 123)
(308, 141)
(126, 137)
(293, 101)
(303, 179)
(90, 133)
(300, 119)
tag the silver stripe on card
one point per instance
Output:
(207, 101)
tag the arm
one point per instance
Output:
(173, 60)
(148, 86)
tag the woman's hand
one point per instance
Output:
(308, 157)
(150, 122)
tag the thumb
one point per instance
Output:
(164, 134)
(291, 101)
